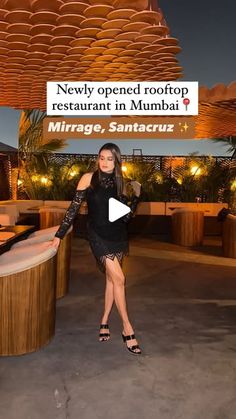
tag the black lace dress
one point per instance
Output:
(107, 239)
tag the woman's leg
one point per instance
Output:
(114, 271)
(109, 299)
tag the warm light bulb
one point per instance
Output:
(44, 180)
(159, 179)
(124, 168)
(74, 170)
(180, 181)
(233, 185)
(72, 173)
(195, 171)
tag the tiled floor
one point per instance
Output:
(183, 307)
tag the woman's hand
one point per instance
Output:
(136, 187)
(56, 242)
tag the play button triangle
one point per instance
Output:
(116, 209)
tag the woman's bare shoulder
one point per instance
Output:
(85, 181)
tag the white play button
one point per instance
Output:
(117, 209)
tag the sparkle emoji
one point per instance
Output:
(183, 127)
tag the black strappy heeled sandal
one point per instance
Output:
(133, 348)
(103, 337)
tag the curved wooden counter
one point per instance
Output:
(63, 266)
(27, 309)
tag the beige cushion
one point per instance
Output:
(25, 257)
(45, 231)
(58, 204)
(24, 205)
(7, 220)
(10, 209)
(151, 208)
(43, 236)
(27, 205)
(9, 202)
(52, 209)
(210, 209)
(231, 217)
(13, 216)
(31, 241)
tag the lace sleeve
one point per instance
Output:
(133, 203)
(71, 212)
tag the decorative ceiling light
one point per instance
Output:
(217, 111)
(90, 40)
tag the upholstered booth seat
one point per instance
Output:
(24, 205)
(27, 298)
(46, 232)
(10, 210)
(57, 204)
(63, 255)
(38, 236)
(20, 212)
(7, 220)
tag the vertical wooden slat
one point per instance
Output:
(63, 266)
(27, 309)
(187, 227)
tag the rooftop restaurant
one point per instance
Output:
(181, 265)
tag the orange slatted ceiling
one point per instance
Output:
(90, 40)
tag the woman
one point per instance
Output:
(108, 240)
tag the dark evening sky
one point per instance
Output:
(207, 35)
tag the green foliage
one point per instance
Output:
(229, 142)
(34, 154)
(65, 178)
(147, 175)
(208, 179)
(60, 180)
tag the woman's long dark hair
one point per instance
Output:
(117, 170)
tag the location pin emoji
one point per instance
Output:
(186, 102)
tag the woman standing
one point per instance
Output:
(108, 240)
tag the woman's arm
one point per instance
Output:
(79, 197)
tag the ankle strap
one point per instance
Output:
(104, 326)
(129, 337)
